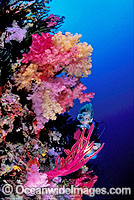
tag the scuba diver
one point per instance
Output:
(85, 118)
(71, 128)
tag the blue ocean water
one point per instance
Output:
(108, 26)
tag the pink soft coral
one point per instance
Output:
(47, 56)
(36, 179)
(59, 52)
(39, 45)
(68, 95)
(56, 96)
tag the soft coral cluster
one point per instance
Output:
(59, 52)
(55, 97)
(52, 20)
(81, 64)
(49, 56)
(15, 33)
(39, 44)
(26, 75)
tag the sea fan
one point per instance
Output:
(75, 157)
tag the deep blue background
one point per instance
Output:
(107, 26)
